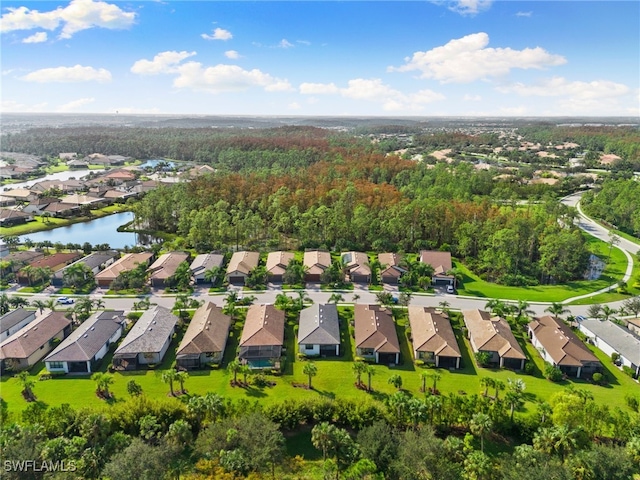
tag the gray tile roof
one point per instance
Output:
(620, 339)
(88, 338)
(13, 318)
(93, 260)
(319, 325)
(206, 261)
(150, 332)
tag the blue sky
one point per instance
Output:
(430, 58)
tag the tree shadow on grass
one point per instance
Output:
(254, 392)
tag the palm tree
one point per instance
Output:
(302, 299)
(27, 383)
(39, 305)
(212, 274)
(556, 309)
(355, 298)
(487, 382)
(336, 298)
(522, 311)
(396, 381)
(29, 272)
(51, 304)
(359, 368)
(370, 371)
(245, 370)
(496, 307)
(322, 437)
(310, 370)
(435, 376)
(17, 301)
(234, 367)
(169, 377)
(607, 313)
(424, 376)
(480, 425)
(98, 303)
(103, 380)
(498, 385)
(182, 377)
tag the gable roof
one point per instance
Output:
(390, 263)
(87, 340)
(207, 332)
(440, 261)
(55, 260)
(316, 261)
(206, 261)
(619, 338)
(150, 332)
(492, 334)
(375, 328)
(93, 260)
(277, 262)
(128, 262)
(562, 345)
(432, 332)
(32, 336)
(264, 326)
(357, 263)
(13, 318)
(243, 262)
(319, 325)
(166, 265)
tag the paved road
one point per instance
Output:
(365, 296)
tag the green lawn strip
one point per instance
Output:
(473, 285)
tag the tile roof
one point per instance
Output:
(432, 332)
(87, 340)
(492, 334)
(206, 261)
(243, 262)
(32, 336)
(56, 260)
(319, 325)
(562, 345)
(128, 262)
(207, 331)
(264, 326)
(166, 265)
(440, 261)
(316, 261)
(375, 328)
(277, 262)
(619, 338)
(150, 332)
(13, 318)
(357, 263)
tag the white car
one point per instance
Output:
(65, 301)
(450, 289)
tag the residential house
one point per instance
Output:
(13, 321)
(634, 325)
(22, 257)
(38, 205)
(165, 267)
(262, 337)
(199, 170)
(319, 330)
(432, 337)
(13, 217)
(21, 195)
(83, 200)
(203, 262)
(316, 262)
(441, 263)
(115, 160)
(95, 261)
(376, 336)
(240, 266)
(31, 343)
(64, 186)
(82, 351)
(390, 271)
(61, 210)
(612, 339)
(128, 262)
(67, 156)
(77, 165)
(55, 262)
(277, 263)
(358, 268)
(205, 340)
(493, 336)
(148, 340)
(7, 201)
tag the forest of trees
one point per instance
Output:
(617, 203)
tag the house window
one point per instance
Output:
(56, 365)
(366, 352)
(308, 347)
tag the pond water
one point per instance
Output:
(100, 230)
(53, 176)
(153, 163)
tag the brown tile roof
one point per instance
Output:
(562, 345)
(492, 334)
(166, 265)
(432, 332)
(390, 264)
(277, 262)
(207, 332)
(440, 261)
(316, 261)
(375, 328)
(264, 326)
(243, 262)
(357, 263)
(128, 262)
(56, 260)
(31, 337)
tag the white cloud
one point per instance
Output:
(164, 62)
(77, 73)
(232, 54)
(226, 78)
(74, 105)
(77, 16)
(36, 38)
(294, 106)
(465, 7)
(468, 59)
(318, 88)
(373, 90)
(524, 14)
(472, 98)
(218, 34)
(304, 42)
(284, 43)
(13, 106)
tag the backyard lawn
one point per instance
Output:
(335, 377)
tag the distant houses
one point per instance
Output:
(205, 339)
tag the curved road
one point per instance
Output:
(365, 296)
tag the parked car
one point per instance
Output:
(450, 289)
(65, 301)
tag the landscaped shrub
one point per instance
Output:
(552, 373)
(529, 368)
(632, 402)
(629, 371)
(483, 358)
(598, 378)
(615, 356)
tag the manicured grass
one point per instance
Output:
(335, 376)
(473, 285)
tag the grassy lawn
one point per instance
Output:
(335, 377)
(473, 285)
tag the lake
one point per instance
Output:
(66, 175)
(100, 230)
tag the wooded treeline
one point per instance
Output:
(402, 437)
(616, 202)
